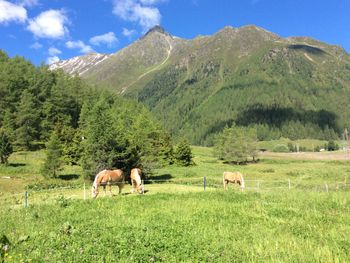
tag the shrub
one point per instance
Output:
(280, 148)
(183, 153)
(5, 147)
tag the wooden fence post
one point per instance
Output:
(326, 187)
(26, 199)
(289, 186)
(258, 185)
(204, 182)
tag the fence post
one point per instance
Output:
(258, 185)
(84, 192)
(26, 199)
(289, 184)
(204, 182)
(326, 187)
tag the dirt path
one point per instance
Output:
(338, 155)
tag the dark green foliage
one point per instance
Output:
(236, 144)
(183, 153)
(53, 162)
(27, 121)
(121, 134)
(332, 146)
(4, 241)
(72, 149)
(35, 101)
(5, 147)
(90, 126)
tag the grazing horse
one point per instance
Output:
(108, 177)
(233, 177)
(136, 183)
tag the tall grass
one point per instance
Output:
(215, 226)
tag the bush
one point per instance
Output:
(183, 153)
(5, 147)
(280, 148)
(332, 146)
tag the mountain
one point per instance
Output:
(295, 87)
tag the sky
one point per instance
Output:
(45, 31)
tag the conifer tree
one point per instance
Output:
(183, 153)
(5, 147)
(27, 121)
(53, 162)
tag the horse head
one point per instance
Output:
(94, 191)
(141, 189)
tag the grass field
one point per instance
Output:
(176, 221)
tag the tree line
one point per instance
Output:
(77, 123)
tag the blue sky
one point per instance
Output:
(44, 31)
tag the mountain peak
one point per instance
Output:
(158, 29)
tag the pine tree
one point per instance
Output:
(27, 121)
(5, 147)
(183, 153)
(103, 143)
(53, 162)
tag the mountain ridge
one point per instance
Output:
(196, 87)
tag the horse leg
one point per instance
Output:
(104, 190)
(225, 184)
(110, 189)
(132, 187)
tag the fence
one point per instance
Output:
(48, 196)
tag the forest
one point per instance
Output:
(94, 128)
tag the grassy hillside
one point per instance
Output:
(208, 226)
(296, 87)
(275, 84)
(176, 220)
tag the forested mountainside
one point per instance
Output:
(96, 128)
(293, 87)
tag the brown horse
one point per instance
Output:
(108, 177)
(135, 177)
(233, 177)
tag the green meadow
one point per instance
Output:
(176, 220)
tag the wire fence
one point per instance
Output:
(48, 196)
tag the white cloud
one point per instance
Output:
(49, 24)
(152, 2)
(29, 3)
(54, 51)
(83, 48)
(36, 45)
(109, 39)
(136, 11)
(128, 32)
(51, 60)
(12, 12)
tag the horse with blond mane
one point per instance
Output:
(108, 177)
(135, 177)
(233, 177)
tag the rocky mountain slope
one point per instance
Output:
(246, 75)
